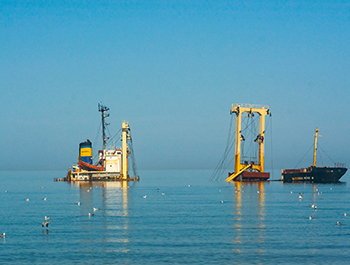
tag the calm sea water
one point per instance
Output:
(204, 223)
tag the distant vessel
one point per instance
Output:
(313, 173)
(112, 163)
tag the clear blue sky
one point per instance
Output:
(172, 69)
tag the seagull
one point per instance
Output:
(47, 218)
(78, 203)
(344, 214)
(222, 201)
(163, 193)
(144, 196)
(6, 191)
(27, 200)
(46, 224)
(91, 214)
(44, 199)
(189, 185)
(258, 192)
(96, 209)
(3, 235)
(310, 217)
(338, 223)
(301, 195)
(291, 191)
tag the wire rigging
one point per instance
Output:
(304, 156)
(133, 162)
(221, 164)
(326, 154)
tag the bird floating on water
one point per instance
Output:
(144, 196)
(3, 235)
(222, 201)
(310, 217)
(96, 209)
(189, 185)
(47, 218)
(91, 214)
(78, 203)
(44, 199)
(27, 200)
(163, 193)
(301, 195)
(338, 223)
(344, 214)
(46, 224)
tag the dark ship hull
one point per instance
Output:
(313, 174)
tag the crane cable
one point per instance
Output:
(221, 164)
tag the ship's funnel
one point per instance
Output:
(85, 152)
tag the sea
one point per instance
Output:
(172, 217)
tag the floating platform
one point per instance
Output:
(251, 176)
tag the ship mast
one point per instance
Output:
(315, 148)
(103, 109)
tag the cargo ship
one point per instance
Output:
(112, 163)
(314, 174)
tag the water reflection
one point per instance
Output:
(249, 215)
(111, 220)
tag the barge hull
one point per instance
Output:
(313, 174)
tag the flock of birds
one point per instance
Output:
(47, 222)
(47, 218)
(314, 206)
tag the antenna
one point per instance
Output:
(103, 109)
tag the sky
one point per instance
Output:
(172, 69)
